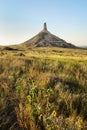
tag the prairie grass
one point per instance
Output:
(43, 89)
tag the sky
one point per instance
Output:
(22, 19)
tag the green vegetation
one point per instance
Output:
(43, 89)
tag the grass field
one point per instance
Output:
(43, 89)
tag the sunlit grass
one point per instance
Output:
(43, 88)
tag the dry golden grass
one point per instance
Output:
(43, 89)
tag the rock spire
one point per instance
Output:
(45, 38)
(45, 27)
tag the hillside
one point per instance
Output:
(43, 89)
(45, 38)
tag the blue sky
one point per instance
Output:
(22, 19)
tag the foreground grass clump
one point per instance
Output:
(43, 89)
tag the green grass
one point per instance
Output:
(43, 89)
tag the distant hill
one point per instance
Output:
(85, 47)
(10, 48)
(45, 38)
